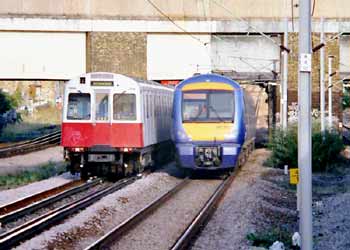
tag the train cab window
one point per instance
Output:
(221, 106)
(208, 106)
(194, 106)
(79, 106)
(101, 103)
(124, 107)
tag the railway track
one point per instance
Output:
(30, 228)
(36, 144)
(192, 229)
(35, 198)
(27, 205)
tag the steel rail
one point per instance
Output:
(209, 208)
(11, 216)
(129, 223)
(25, 201)
(41, 141)
(30, 228)
(204, 215)
(32, 145)
(44, 142)
(30, 141)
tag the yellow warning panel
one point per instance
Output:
(294, 175)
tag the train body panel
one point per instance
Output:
(210, 124)
(112, 118)
(116, 135)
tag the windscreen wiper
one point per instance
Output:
(216, 113)
(198, 115)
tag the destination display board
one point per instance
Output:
(102, 83)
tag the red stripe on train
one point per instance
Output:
(115, 134)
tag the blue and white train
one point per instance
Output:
(213, 119)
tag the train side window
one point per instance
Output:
(79, 106)
(151, 105)
(147, 105)
(124, 107)
(101, 103)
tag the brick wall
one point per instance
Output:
(332, 48)
(123, 53)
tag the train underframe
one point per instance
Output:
(219, 156)
(112, 162)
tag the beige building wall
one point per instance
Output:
(180, 9)
(122, 53)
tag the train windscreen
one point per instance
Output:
(79, 106)
(208, 106)
(124, 107)
(101, 103)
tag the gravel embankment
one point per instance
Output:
(331, 210)
(255, 201)
(166, 224)
(10, 195)
(252, 202)
(53, 206)
(23, 162)
(79, 231)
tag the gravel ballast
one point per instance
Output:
(84, 228)
(166, 224)
(256, 200)
(247, 207)
(55, 205)
(331, 210)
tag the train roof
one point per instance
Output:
(208, 78)
(108, 76)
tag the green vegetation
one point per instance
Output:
(8, 102)
(325, 149)
(43, 121)
(346, 98)
(28, 176)
(268, 237)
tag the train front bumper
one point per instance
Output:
(186, 155)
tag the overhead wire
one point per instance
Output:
(173, 22)
(250, 26)
(319, 46)
(205, 43)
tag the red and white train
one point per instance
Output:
(114, 124)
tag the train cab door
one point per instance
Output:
(102, 117)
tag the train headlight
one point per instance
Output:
(231, 135)
(181, 135)
(77, 149)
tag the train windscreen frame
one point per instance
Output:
(208, 106)
(79, 106)
(124, 107)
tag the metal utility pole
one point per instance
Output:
(271, 90)
(322, 93)
(284, 117)
(330, 111)
(304, 124)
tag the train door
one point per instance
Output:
(102, 117)
(147, 118)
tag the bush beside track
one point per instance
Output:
(326, 149)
